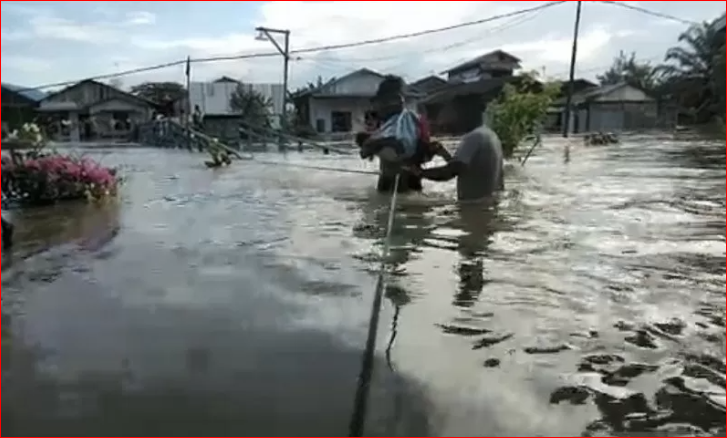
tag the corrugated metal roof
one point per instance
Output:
(34, 95)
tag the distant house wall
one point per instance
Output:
(213, 98)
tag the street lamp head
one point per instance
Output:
(261, 36)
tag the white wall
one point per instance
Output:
(361, 84)
(321, 108)
(214, 97)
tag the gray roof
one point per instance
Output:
(477, 61)
(592, 93)
(34, 95)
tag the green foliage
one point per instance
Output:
(254, 107)
(159, 92)
(627, 69)
(694, 71)
(520, 110)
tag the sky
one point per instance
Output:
(52, 42)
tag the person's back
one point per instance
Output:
(480, 151)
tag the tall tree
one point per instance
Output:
(631, 71)
(695, 70)
(253, 106)
(159, 92)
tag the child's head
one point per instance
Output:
(389, 97)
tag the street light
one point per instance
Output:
(266, 34)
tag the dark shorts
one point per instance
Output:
(408, 183)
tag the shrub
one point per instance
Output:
(519, 111)
(40, 177)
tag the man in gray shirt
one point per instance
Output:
(477, 164)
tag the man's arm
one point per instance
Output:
(442, 151)
(456, 164)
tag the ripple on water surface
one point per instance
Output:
(590, 301)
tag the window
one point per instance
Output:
(341, 121)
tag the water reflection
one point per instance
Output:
(590, 301)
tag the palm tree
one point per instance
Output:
(627, 69)
(692, 70)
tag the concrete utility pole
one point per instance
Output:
(571, 77)
(266, 34)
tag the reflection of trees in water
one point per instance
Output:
(90, 226)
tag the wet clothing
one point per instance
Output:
(480, 152)
(411, 133)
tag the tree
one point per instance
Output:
(520, 110)
(695, 70)
(159, 92)
(253, 106)
(627, 69)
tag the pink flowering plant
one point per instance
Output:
(49, 178)
(39, 177)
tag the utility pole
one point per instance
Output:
(571, 77)
(188, 106)
(266, 34)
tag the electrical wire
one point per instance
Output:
(648, 12)
(300, 51)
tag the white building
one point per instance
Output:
(341, 105)
(213, 98)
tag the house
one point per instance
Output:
(91, 110)
(469, 88)
(213, 98)
(611, 108)
(554, 120)
(342, 105)
(491, 65)
(220, 120)
(428, 85)
(18, 106)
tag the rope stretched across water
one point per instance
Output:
(309, 167)
(358, 417)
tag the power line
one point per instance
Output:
(648, 12)
(300, 51)
(349, 62)
(429, 31)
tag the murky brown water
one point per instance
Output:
(232, 303)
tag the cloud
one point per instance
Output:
(25, 64)
(51, 27)
(140, 18)
(541, 39)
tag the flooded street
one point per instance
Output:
(590, 302)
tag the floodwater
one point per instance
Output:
(590, 302)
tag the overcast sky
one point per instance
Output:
(49, 42)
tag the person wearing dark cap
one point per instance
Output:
(398, 141)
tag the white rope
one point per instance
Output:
(322, 168)
(358, 417)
